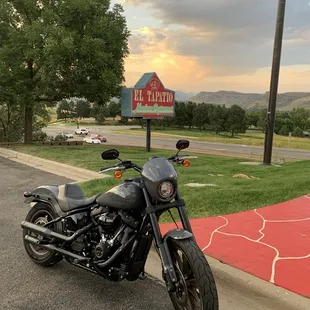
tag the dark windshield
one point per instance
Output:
(158, 169)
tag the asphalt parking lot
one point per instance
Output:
(27, 286)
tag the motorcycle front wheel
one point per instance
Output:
(196, 285)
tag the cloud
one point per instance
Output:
(236, 36)
(250, 17)
(223, 41)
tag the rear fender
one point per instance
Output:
(47, 194)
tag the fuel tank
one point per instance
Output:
(125, 196)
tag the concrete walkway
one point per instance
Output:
(272, 243)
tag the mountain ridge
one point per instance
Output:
(285, 101)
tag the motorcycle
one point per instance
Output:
(111, 234)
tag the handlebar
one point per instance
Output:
(129, 164)
(106, 169)
(180, 158)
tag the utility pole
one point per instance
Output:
(274, 82)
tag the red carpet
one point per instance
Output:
(272, 243)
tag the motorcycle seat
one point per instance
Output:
(71, 197)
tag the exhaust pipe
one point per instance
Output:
(51, 247)
(116, 255)
(46, 232)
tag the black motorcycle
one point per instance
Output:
(111, 234)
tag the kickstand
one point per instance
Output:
(142, 276)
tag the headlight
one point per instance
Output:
(166, 190)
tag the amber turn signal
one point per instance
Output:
(118, 174)
(186, 163)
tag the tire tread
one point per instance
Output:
(202, 272)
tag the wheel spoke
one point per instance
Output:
(41, 220)
(182, 263)
(194, 298)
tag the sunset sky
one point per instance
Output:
(211, 45)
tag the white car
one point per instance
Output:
(92, 140)
(66, 134)
(82, 131)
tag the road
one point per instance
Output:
(225, 149)
(26, 286)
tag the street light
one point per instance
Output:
(274, 82)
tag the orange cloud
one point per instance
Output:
(154, 50)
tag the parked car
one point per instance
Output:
(92, 140)
(66, 134)
(82, 131)
(99, 137)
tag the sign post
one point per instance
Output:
(148, 99)
(148, 135)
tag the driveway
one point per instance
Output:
(26, 286)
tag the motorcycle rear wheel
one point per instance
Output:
(40, 214)
(197, 289)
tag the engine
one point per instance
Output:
(115, 229)
(111, 232)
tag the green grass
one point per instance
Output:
(275, 184)
(68, 123)
(85, 122)
(250, 138)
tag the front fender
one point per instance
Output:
(177, 234)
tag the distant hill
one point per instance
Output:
(286, 101)
(181, 96)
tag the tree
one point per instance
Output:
(218, 118)
(99, 112)
(252, 118)
(180, 114)
(283, 124)
(52, 50)
(300, 118)
(236, 121)
(189, 110)
(298, 132)
(66, 109)
(114, 109)
(11, 122)
(262, 123)
(284, 131)
(201, 116)
(82, 108)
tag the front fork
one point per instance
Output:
(162, 244)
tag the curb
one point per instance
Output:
(231, 282)
(235, 283)
(63, 170)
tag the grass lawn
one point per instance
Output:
(68, 123)
(272, 184)
(250, 138)
(85, 122)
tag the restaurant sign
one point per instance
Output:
(148, 99)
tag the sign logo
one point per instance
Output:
(154, 83)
